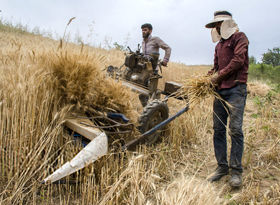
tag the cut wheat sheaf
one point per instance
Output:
(197, 89)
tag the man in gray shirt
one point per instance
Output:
(150, 49)
(151, 44)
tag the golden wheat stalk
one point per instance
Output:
(197, 89)
(70, 20)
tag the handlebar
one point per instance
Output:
(129, 49)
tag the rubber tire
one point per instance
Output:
(110, 71)
(155, 112)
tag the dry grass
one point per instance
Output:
(189, 190)
(41, 84)
(258, 88)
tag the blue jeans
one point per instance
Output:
(236, 97)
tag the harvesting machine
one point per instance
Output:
(141, 74)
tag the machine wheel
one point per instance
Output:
(112, 71)
(154, 113)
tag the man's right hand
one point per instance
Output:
(164, 63)
(214, 80)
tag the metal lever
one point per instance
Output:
(118, 116)
(153, 130)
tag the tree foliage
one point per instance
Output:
(119, 46)
(252, 60)
(272, 57)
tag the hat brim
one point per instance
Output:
(213, 23)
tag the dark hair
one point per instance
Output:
(222, 13)
(147, 25)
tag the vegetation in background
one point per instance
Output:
(268, 69)
(6, 26)
(265, 72)
(252, 60)
(272, 57)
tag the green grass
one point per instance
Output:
(265, 72)
(7, 26)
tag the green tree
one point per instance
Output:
(252, 60)
(119, 46)
(272, 57)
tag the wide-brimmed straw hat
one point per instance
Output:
(228, 26)
(219, 16)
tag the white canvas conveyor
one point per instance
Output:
(97, 148)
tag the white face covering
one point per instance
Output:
(215, 35)
(228, 27)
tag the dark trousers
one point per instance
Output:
(236, 97)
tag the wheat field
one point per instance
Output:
(43, 80)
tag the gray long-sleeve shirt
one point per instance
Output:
(152, 45)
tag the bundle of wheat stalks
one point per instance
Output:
(80, 82)
(196, 89)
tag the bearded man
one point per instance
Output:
(150, 49)
(151, 44)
